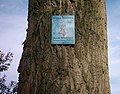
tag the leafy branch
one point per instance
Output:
(4, 65)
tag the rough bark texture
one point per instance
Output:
(65, 69)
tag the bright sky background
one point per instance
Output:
(13, 24)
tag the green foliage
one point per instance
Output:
(4, 65)
(7, 89)
(5, 60)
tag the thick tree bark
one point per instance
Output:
(65, 69)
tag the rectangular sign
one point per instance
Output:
(63, 30)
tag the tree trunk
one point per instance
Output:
(65, 69)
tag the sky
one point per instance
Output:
(113, 28)
(13, 25)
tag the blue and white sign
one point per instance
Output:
(63, 30)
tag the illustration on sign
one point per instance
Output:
(63, 31)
